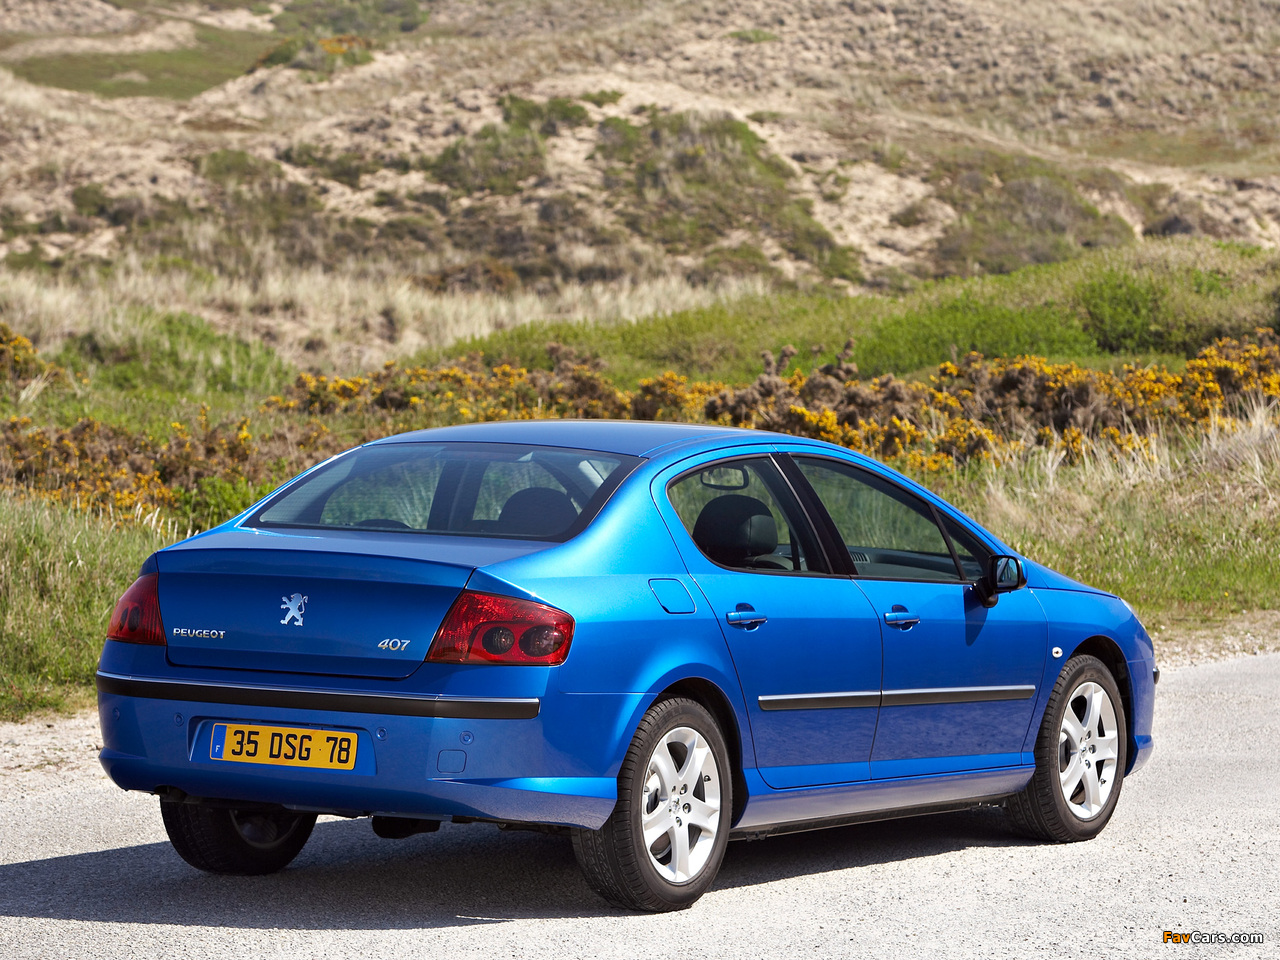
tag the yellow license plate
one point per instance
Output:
(283, 746)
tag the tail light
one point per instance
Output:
(137, 616)
(484, 628)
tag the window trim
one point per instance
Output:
(833, 530)
(805, 517)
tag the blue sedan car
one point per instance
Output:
(654, 637)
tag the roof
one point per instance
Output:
(636, 438)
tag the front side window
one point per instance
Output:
(972, 553)
(468, 489)
(890, 534)
(742, 515)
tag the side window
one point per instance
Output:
(890, 534)
(742, 515)
(970, 551)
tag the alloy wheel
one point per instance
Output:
(680, 812)
(1088, 750)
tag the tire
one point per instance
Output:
(676, 780)
(237, 842)
(1081, 753)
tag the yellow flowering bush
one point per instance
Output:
(19, 362)
(972, 410)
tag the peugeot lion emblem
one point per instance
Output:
(295, 606)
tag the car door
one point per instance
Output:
(804, 640)
(959, 678)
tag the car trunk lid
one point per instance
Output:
(335, 606)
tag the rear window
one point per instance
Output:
(497, 490)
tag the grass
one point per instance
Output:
(61, 572)
(1165, 298)
(177, 74)
(159, 366)
(1187, 535)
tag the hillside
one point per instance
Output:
(355, 181)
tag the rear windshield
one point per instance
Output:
(498, 490)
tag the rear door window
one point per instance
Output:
(743, 515)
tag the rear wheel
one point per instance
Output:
(1081, 754)
(242, 842)
(663, 846)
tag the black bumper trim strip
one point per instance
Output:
(245, 695)
(933, 695)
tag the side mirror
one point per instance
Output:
(1004, 574)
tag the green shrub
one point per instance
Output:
(602, 98)
(1122, 312)
(544, 118)
(754, 35)
(618, 139)
(345, 167)
(696, 178)
(226, 165)
(1015, 211)
(90, 200)
(497, 158)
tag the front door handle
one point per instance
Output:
(901, 618)
(746, 617)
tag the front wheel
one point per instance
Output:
(663, 845)
(240, 842)
(1081, 753)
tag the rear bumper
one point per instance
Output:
(515, 759)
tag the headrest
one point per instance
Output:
(537, 512)
(732, 528)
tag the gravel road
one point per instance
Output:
(85, 870)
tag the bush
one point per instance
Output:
(696, 178)
(90, 200)
(345, 167)
(545, 118)
(602, 98)
(497, 158)
(1015, 211)
(224, 166)
(1123, 312)
(754, 35)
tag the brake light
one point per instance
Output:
(484, 628)
(137, 616)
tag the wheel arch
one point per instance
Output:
(710, 696)
(1112, 657)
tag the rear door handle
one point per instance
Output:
(745, 616)
(901, 618)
